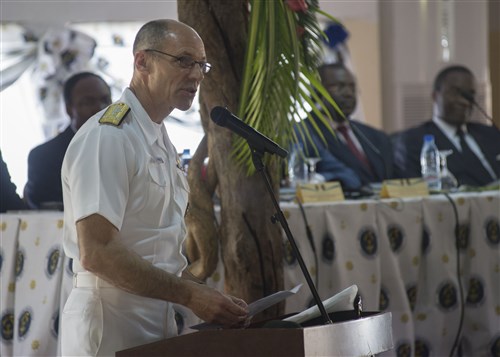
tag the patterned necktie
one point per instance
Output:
(344, 130)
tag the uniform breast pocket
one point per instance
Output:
(158, 172)
(158, 193)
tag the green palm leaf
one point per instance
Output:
(280, 81)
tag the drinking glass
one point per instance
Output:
(448, 181)
(313, 176)
(297, 167)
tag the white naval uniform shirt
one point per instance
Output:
(129, 175)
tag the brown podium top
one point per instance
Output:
(361, 337)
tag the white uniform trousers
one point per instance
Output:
(99, 320)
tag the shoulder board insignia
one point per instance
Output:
(115, 114)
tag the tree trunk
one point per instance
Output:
(252, 247)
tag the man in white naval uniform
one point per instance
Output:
(125, 197)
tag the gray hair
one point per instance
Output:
(152, 35)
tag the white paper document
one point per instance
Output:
(339, 302)
(256, 306)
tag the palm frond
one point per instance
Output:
(280, 82)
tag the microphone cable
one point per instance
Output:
(370, 144)
(253, 233)
(363, 136)
(310, 238)
(265, 290)
(470, 98)
(458, 266)
(482, 111)
(461, 293)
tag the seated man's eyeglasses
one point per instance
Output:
(185, 61)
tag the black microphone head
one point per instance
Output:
(468, 96)
(223, 117)
(218, 115)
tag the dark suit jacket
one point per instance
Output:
(44, 170)
(9, 199)
(408, 144)
(376, 145)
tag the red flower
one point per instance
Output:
(297, 5)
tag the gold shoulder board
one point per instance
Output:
(115, 114)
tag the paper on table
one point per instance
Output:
(255, 307)
(268, 301)
(339, 302)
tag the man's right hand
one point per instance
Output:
(215, 307)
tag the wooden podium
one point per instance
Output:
(360, 337)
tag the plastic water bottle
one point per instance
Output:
(297, 166)
(185, 159)
(430, 163)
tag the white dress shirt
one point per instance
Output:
(451, 133)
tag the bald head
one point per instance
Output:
(154, 33)
(169, 65)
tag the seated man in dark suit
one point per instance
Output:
(84, 95)
(358, 151)
(476, 147)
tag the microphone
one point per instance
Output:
(372, 146)
(223, 117)
(470, 98)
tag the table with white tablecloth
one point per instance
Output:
(401, 253)
(403, 257)
(31, 276)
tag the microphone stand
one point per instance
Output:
(482, 110)
(257, 155)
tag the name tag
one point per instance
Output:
(320, 192)
(404, 188)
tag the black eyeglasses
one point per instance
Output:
(186, 61)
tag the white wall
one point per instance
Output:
(61, 12)
(411, 53)
(360, 17)
(53, 12)
(395, 45)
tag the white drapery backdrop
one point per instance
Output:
(35, 62)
